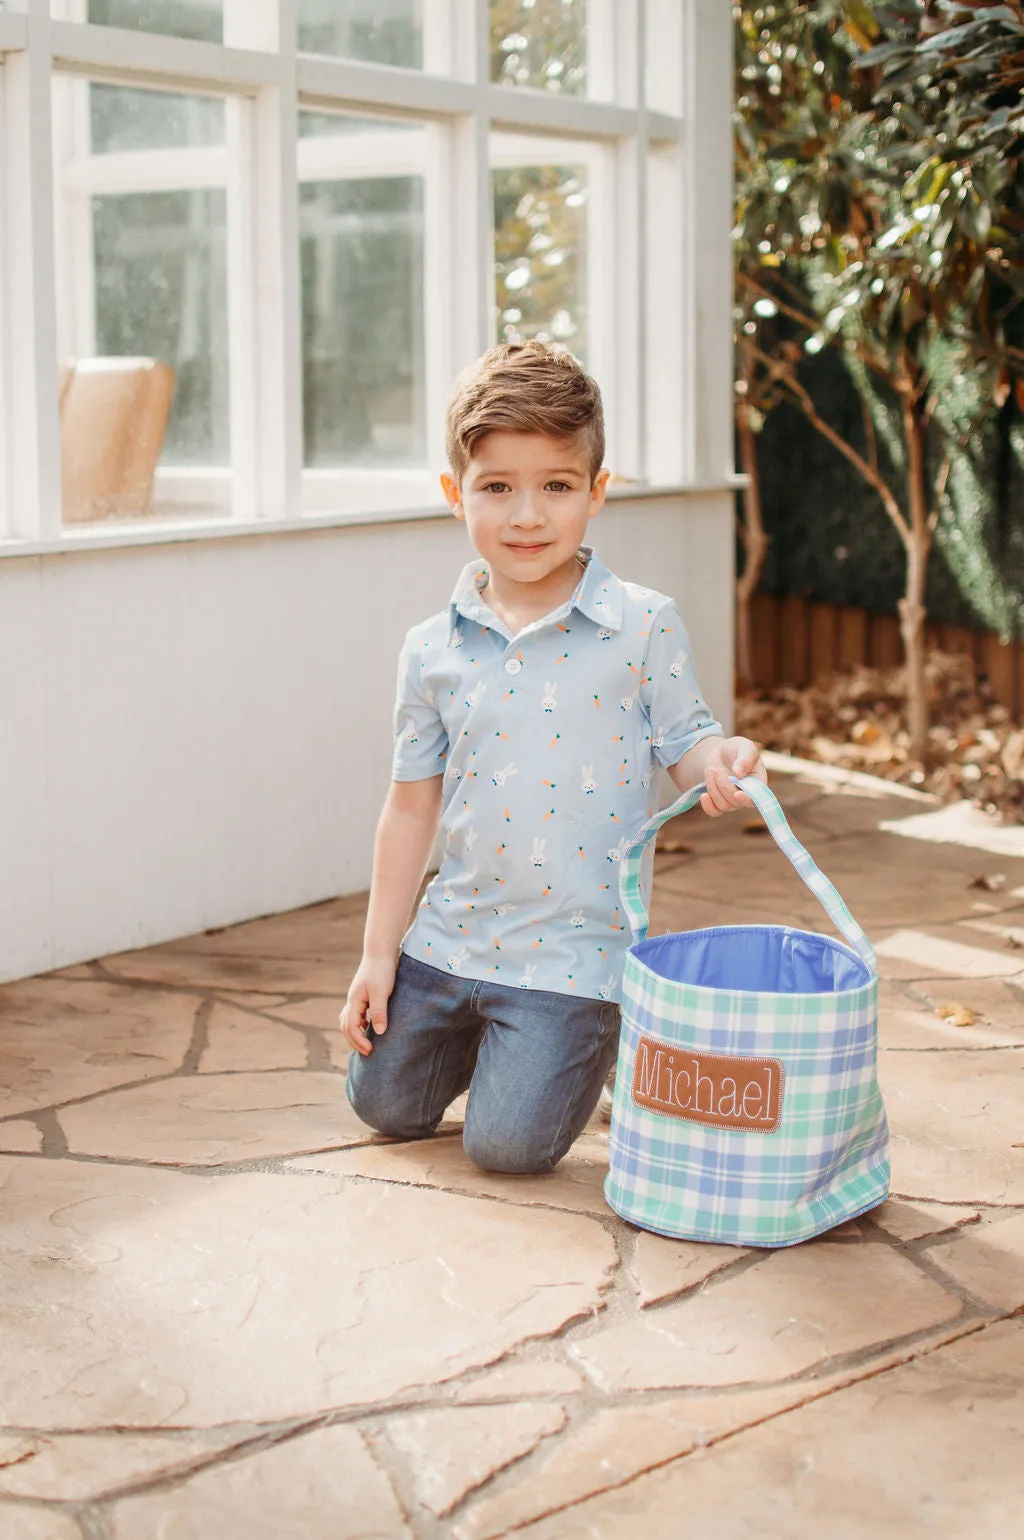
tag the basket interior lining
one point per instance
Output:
(768, 959)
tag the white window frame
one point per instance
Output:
(469, 124)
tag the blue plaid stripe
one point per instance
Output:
(828, 1159)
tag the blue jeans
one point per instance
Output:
(534, 1063)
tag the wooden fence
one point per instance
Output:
(796, 641)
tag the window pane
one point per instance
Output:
(362, 301)
(142, 308)
(540, 252)
(161, 292)
(380, 31)
(144, 383)
(202, 19)
(121, 118)
(334, 125)
(540, 43)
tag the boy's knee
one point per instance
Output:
(512, 1153)
(378, 1102)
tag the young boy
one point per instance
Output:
(532, 714)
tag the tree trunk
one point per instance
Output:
(917, 540)
(755, 546)
(912, 622)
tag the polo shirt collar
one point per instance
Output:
(598, 595)
(465, 599)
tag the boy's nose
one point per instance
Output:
(527, 513)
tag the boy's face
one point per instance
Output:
(526, 500)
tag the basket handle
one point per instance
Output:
(768, 806)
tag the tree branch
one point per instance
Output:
(869, 433)
(928, 411)
(788, 380)
(811, 322)
(940, 491)
(803, 318)
(979, 343)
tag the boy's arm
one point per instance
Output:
(714, 761)
(405, 837)
(687, 741)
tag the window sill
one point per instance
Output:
(111, 536)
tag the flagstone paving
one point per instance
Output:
(229, 1310)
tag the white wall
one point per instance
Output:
(196, 733)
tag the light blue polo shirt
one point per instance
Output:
(547, 741)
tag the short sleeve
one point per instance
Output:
(670, 693)
(421, 740)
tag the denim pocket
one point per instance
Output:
(610, 1017)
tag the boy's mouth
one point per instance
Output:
(528, 547)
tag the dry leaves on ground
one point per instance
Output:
(855, 719)
(956, 1015)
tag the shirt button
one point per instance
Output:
(513, 666)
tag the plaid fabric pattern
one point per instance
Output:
(829, 1159)
(767, 804)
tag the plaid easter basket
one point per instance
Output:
(746, 1106)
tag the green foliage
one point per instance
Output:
(540, 254)
(832, 541)
(541, 44)
(879, 198)
(799, 110)
(540, 212)
(947, 92)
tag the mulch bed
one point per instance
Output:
(854, 718)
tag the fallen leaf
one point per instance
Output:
(956, 1014)
(755, 826)
(855, 718)
(991, 882)
(675, 847)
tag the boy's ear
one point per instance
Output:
(452, 495)
(597, 493)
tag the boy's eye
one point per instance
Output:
(558, 486)
(496, 486)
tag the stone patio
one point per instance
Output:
(227, 1310)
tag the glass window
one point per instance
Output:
(362, 299)
(121, 118)
(335, 125)
(201, 19)
(379, 31)
(142, 301)
(540, 254)
(161, 292)
(541, 44)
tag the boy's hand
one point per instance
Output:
(731, 757)
(367, 1002)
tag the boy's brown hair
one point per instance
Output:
(525, 387)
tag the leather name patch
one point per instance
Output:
(719, 1090)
